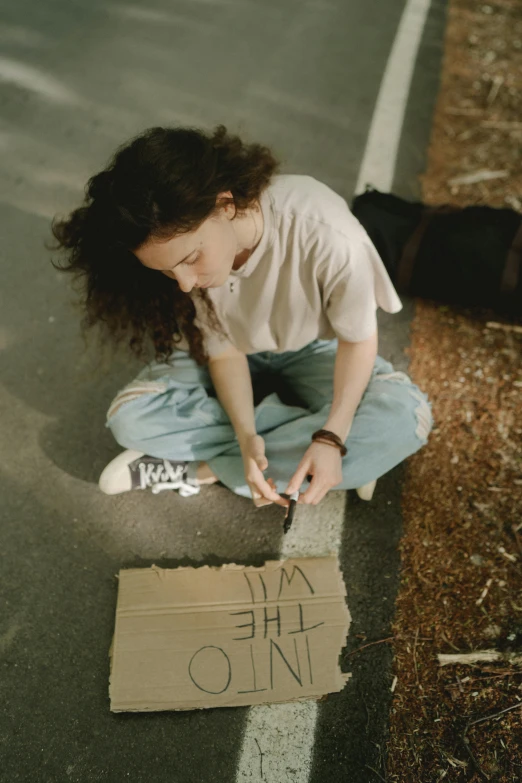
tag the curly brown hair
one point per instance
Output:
(162, 183)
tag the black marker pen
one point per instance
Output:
(291, 511)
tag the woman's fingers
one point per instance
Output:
(299, 476)
(320, 484)
(263, 502)
(321, 465)
(264, 492)
(271, 482)
(315, 493)
(257, 452)
(268, 498)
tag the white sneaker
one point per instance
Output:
(366, 491)
(135, 470)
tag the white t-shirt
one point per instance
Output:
(315, 274)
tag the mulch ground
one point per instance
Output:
(461, 585)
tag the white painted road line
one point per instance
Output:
(279, 738)
(284, 733)
(380, 154)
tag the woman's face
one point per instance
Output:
(199, 259)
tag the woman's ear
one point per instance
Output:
(225, 200)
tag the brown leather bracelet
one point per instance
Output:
(330, 439)
(330, 443)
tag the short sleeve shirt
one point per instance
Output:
(315, 274)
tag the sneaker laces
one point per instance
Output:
(163, 476)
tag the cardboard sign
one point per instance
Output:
(192, 638)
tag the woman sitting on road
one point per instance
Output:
(189, 240)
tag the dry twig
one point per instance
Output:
(501, 125)
(376, 773)
(498, 81)
(480, 656)
(505, 327)
(465, 742)
(469, 724)
(261, 754)
(495, 714)
(477, 176)
(484, 592)
(415, 657)
(370, 644)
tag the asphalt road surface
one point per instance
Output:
(76, 80)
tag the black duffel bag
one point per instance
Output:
(469, 256)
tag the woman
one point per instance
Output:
(190, 241)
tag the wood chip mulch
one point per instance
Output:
(461, 586)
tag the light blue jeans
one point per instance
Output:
(167, 412)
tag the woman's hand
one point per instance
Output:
(323, 463)
(255, 462)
